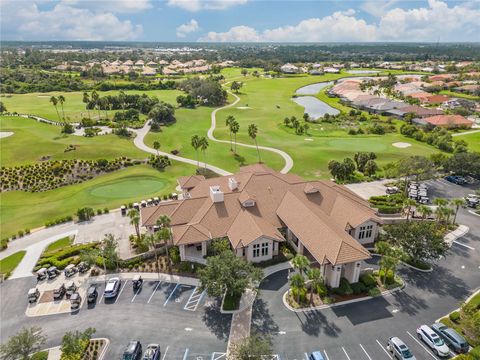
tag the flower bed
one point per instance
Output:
(94, 349)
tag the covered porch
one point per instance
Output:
(194, 252)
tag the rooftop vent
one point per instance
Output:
(216, 194)
(232, 184)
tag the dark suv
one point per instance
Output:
(453, 339)
(133, 351)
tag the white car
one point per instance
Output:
(112, 288)
(434, 341)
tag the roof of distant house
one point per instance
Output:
(448, 120)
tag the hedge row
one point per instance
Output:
(63, 257)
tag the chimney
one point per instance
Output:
(216, 194)
(232, 184)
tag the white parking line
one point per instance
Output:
(120, 293)
(386, 352)
(169, 296)
(365, 351)
(462, 244)
(348, 357)
(326, 356)
(153, 293)
(306, 356)
(165, 353)
(185, 356)
(419, 343)
(136, 293)
(194, 300)
(218, 355)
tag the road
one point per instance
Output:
(360, 331)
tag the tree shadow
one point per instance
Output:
(262, 321)
(218, 323)
(275, 281)
(240, 159)
(361, 312)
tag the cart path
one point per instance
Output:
(139, 143)
(288, 159)
(466, 133)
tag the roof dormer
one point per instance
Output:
(246, 199)
(311, 188)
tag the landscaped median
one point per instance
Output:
(8, 264)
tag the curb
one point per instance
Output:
(455, 234)
(473, 213)
(405, 264)
(104, 351)
(457, 309)
(322, 307)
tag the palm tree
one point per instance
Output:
(165, 234)
(135, 221)
(156, 146)
(425, 211)
(441, 204)
(457, 203)
(86, 100)
(228, 121)
(252, 132)
(407, 204)
(123, 100)
(54, 101)
(315, 277)
(449, 212)
(196, 145)
(109, 249)
(61, 100)
(203, 147)
(234, 128)
(300, 263)
(152, 241)
(95, 98)
(297, 283)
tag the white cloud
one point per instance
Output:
(438, 21)
(197, 5)
(377, 8)
(190, 27)
(114, 6)
(22, 20)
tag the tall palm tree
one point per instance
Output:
(54, 101)
(204, 146)
(228, 122)
(425, 211)
(152, 241)
(252, 132)
(407, 204)
(234, 128)
(449, 212)
(297, 283)
(441, 204)
(165, 234)
(315, 277)
(95, 98)
(134, 216)
(61, 100)
(86, 100)
(196, 145)
(457, 203)
(300, 263)
(156, 146)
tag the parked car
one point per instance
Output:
(316, 355)
(42, 274)
(459, 180)
(71, 288)
(70, 270)
(52, 272)
(112, 288)
(59, 292)
(399, 350)
(83, 267)
(75, 301)
(33, 295)
(452, 338)
(123, 210)
(133, 351)
(92, 294)
(434, 341)
(152, 352)
(472, 200)
(391, 190)
(137, 282)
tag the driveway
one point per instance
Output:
(361, 330)
(369, 189)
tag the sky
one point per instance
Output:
(241, 20)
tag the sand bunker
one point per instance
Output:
(308, 139)
(401, 145)
(4, 134)
(243, 107)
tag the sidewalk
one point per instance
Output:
(455, 234)
(149, 276)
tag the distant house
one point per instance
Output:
(331, 70)
(152, 64)
(447, 121)
(467, 88)
(148, 71)
(418, 111)
(128, 63)
(289, 69)
(139, 64)
(437, 99)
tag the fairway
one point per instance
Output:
(473, 140)
(20, 210)
(39, 103)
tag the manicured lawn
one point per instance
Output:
(231, 302)
(20, 210)
(8, 264)
(32, 140)
(59, 244)
(460, 95)
(473, 140)
(39, 103)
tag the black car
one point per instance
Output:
(452, 338)
(92, 294)
(459, 180)
(133, 351)
(59, 292)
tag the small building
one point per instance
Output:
(446, 121)
(289, 69)
(331, 70)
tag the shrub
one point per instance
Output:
(27, 231)
(106, 211)
(374, 292)
(300, 295)
(368, 280)
(4, 244)
(175, 254)
(390, 279)
(321, 290)
(41, 355)
(454, 316)
(328, 300)
(99, 211)
(20, 233)
(344, 288)
(358, 288)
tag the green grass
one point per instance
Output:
(473, 140)
(20, 210)
(39, 103)
(8, 264)
(475, 301)
(231, 302)
(59, 244)
(460, 95)
(32, 140)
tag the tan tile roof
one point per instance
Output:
(189, 182)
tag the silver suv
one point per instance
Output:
(399, 350)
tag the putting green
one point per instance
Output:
(360, 144)
(133, 186)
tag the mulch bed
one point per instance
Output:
(47, 296)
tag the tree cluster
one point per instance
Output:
(436, 136)
(206, 91)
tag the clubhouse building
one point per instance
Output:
(257, 209)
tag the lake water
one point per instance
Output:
(314, 107)
(313, 88)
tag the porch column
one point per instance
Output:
(300, 248)
(333, 275)
(182, 252)
(352, 271)
(289, 234)
(204, 248)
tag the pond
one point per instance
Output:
(313, 88)
(314, 107)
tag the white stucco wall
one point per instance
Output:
(260, 241)
(366, 240)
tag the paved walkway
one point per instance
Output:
(139, 143)
(466, 133)
(288, 160)
(368, 189)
